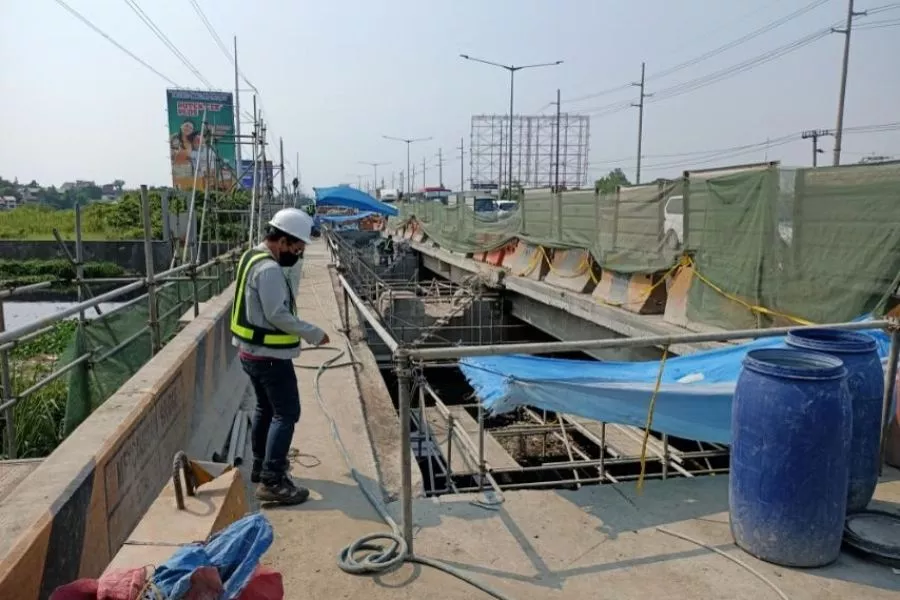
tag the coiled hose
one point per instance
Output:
(377, 552)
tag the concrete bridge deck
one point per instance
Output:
(596, 542)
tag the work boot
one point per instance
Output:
(283, 491)
(256, 471)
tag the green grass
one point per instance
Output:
(39, 417)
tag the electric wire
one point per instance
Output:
(736, 69)
(109, 38)
(135, 7)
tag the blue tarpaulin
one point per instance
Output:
(343, 195)
(694, 399)
(344, 218)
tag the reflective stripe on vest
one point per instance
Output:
(241, 327)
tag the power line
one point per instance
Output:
(165, 40)
(211, 30)
(737, 42)
(728, 72)
(96, 29)
(705, 156)
(709, 54)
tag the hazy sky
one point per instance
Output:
(336, 75)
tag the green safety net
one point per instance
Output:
(624, 230)
(770, 245)
(120, 344)
(778, 246)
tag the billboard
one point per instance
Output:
(212, 161)
(266, 173)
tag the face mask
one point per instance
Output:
(288, 259)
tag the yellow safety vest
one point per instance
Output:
(241, 327)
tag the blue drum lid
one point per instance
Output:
(875, 534)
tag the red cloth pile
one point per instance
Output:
(126, 584)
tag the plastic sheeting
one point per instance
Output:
(343, 195)
(345, 218)
(694, 399)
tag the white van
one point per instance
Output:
(674, 221)
(389, 195)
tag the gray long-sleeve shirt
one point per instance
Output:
(268, 305)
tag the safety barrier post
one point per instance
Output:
(195, 291)
(6, 394)
(404, 383)
(153, 321)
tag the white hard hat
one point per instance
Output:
(295, 222)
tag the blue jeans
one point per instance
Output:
(277, 411)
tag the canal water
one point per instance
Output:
(18, 314)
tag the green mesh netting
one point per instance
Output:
(624, 230)
(119, 343)
(821, 245)
(769, 245)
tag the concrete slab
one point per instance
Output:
(12, 472)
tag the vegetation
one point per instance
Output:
(39, 417)
(609, 183)
(119, 220)
(23, 272)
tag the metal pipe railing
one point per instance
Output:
(370, 318)
(457, 352)
(22, 289)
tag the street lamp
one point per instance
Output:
(512, 72)
(408, 141)
(374, 166)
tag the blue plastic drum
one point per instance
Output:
(791, 429)
(865, 378)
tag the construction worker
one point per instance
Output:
(267, 332)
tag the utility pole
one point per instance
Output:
(423, 173)
(558, 125)
(407, 141)
(440, 157)
(640, 107)
(401, 180)
(462, 173)
(281, 158)
(237, 115)
(374, 166)
(815, 134)
(839, 129)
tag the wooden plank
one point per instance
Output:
(462, 462)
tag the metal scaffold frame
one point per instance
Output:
(410, 361)
(534, 150)
(215, 274)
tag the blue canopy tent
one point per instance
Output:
(352, 198)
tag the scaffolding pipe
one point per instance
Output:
(404, 382)
(22, 289)
(457, 352)
(371, 319)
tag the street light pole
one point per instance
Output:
(512, 72)
(374, 166)
(407, 141)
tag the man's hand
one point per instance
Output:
(325, 340)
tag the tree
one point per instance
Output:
(608, 184)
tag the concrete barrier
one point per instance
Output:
(646, 294)
(526, 260)
(677, 296)
(495, 257)
(70, 516)
(418, 234)
(571, 270)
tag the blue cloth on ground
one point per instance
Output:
(235, 552)
(693, 402)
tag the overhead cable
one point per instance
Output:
(131, 54)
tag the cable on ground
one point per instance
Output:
(377, 553)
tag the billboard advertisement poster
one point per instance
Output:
(212, 162)
(266, 173)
